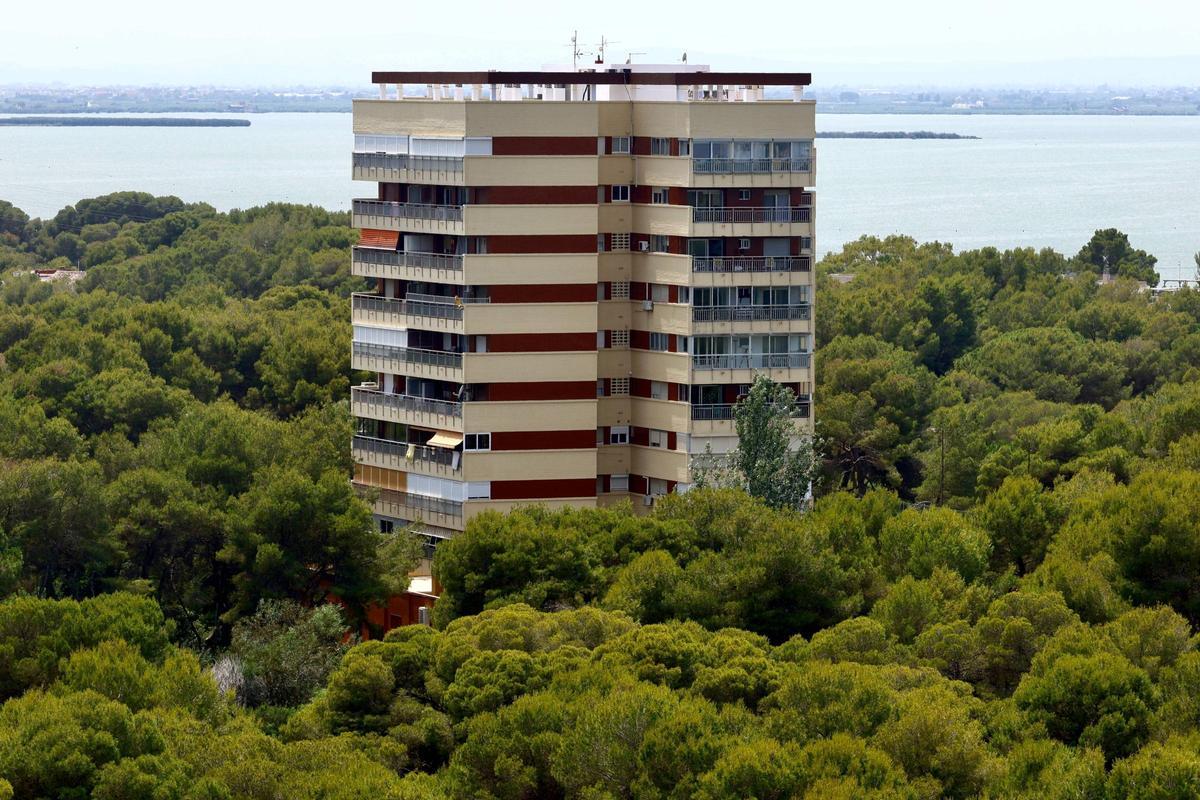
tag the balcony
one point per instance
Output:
(751, 214)
(405, 456)
(712, 412)
(371, 403)
(407, 361)
(740, 166)
(409, 506)
(752, 361)
(371, 308)
(371, 263)
(418, 217)
(750, 313)
(399, 168)
(751, 263)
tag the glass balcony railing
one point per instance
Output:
(397, 161)
(409, 355)
(412, 306)
(367, 445)
(393, 258)
(752, 361)
(396, 210)
(750, 313)
(725, 166)
(375, 398)
(415, 502)
(733, 214)
(751, 263)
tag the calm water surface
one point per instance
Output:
(1029, 181)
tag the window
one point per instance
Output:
(620, 193)
(659, 195)
(618, 483)
(618, 242)
(658, 487)
(658, 390)
(660, 292)
(659, 342)
(599, 242)
(685, 294)
(685, 147)
(600, 387)
(477, 441)
(660, 147)
(618, 434)
(658, 438)
(479, 490)
(743, 244)
(743, 194)
(660, 243)
(620, 290)
(386, 526)
(618, 387)
(620, 144)
(681, 344)
(806, 243)
(619, 338)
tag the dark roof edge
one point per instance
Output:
(618, 77)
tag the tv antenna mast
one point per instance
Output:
(604, 43)
(575, 51)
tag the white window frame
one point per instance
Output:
(660, 195)
(477, 442)
(479, 490)
(659, 338)
(620, 193)
(660, 243)
(618, 483)
(621, 145)
(657, 438)
(743, 194)
(618, 434)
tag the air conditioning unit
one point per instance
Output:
(743, 244)
(644, 247)
(647, 305)
(648, 500)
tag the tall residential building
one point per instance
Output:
(576, 275)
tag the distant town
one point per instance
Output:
(30, 99)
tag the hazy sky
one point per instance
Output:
(317, 42)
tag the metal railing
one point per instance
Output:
(444, 308)
(735, 165)
(396, 210)
(750, 213)
(406, 451)
(712, 412)
(393, 258)
(404, 402)
(419, 502)
(751, 263)
(753, 313)
(399, 161)
(409, 355)
(752, 361)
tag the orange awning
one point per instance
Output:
(447, 439)
(381, 240)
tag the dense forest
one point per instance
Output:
(995, 594)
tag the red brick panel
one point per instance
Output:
(542, 390)
(543, 146)
(544, 293)
(534, 490)
(540, 342)
(544, 440)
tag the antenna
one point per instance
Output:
(575, 51)
(604, 43)
(629, 56)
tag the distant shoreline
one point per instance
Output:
(128, 122)
(891, 135)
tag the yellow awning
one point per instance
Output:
(446, 439)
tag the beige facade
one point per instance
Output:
(531, 340)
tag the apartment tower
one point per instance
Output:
(576, 274)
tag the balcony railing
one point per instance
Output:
(404, 402)
(443, 308)
(712, 412)
(751, 263)
(417, 502)
(392, 258)
(743, 165)
(750, 313)
(410, 355)
(752, 361)
(751, 214)
(398, 161)
(393, 209)
(407, 452)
